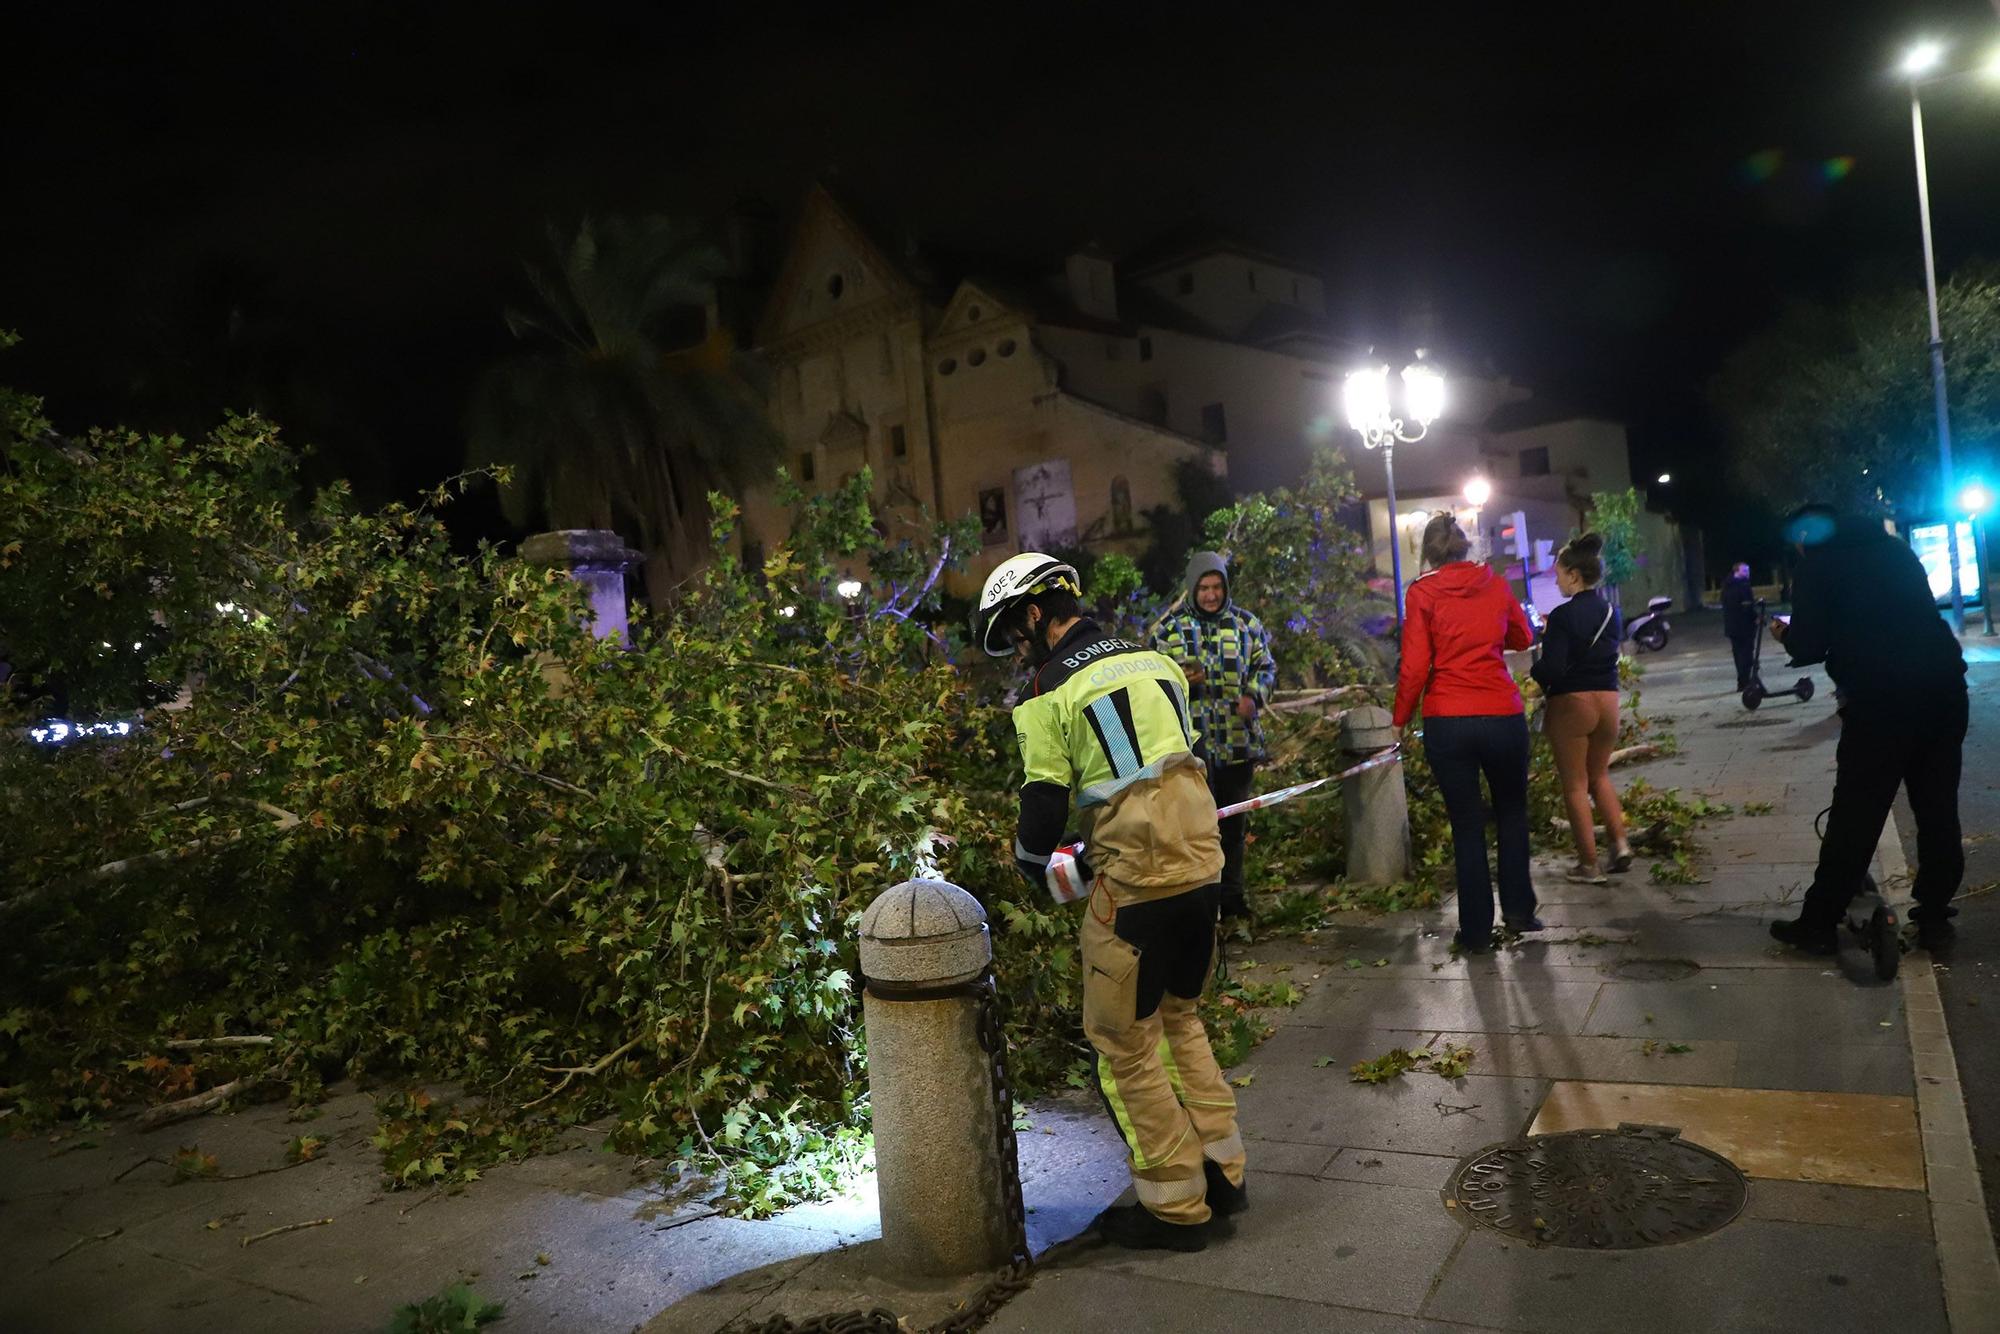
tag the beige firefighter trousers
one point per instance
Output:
(1159, 1079)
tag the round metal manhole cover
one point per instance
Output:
(1652, 970)
(1606, 1190)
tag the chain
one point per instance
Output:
(1011, 1281)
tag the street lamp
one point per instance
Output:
(1477, 492)
(1976, 501)
(1373, 417)
(1921, 60)
(1665, 478)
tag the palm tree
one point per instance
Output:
(632, 409)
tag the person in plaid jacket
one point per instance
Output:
(1226, 653)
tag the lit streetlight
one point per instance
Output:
(1477, 492)
(1665, 478)
(1373, 416)
(1977, 502)
(1920, 61)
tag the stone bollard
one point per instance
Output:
(595, 558)
(1377, 808)
(937, 1161)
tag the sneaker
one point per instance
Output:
(1136, 1229)
(1621, 861)
(1585, 874)
(1935, 934)
(1521, 926)
(1803, 935)
(1224, 1200)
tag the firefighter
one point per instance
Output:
(1106, 722)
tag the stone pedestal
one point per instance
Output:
(929, 1083)
(1375, 805)
(597, 559)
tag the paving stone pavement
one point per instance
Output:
(1347, 1228)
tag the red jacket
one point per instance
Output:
(1457, 622)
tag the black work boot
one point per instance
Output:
(1135, 1228)
(1935, 934)
(1807, 936)
(1224, 1200)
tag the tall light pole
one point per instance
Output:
(1921, 60)
(1371, 414)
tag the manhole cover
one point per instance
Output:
(1652, 970)
(1599, 1189)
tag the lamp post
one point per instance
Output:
(1373, 417)
(1976, 500)
(1921, 60)
(1477, 492)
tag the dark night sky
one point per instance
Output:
(1570, 186)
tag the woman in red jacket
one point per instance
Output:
(1458, 620)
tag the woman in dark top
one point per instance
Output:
(1578, 673)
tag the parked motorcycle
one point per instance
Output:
(1650, 631)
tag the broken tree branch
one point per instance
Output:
(281, 1231)
(569, 1072)
(169, 1112)
(195, 1044)
(1645, 750)
(84, 1241)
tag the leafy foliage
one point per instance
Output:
(456, 1310)
(1296, 559)
(1834, 402)
(1614, 515)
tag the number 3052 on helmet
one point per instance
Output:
(1012, 582)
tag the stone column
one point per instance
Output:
(596, 558)
(937, 1160)
(1377, 808)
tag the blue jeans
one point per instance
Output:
(1460, 750)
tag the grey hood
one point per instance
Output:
(1206, 562)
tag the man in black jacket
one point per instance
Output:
(1863, 606)
(1739, 622)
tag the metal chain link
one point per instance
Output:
(1009, 1282)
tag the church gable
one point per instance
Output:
(973, 309)
(831, 273)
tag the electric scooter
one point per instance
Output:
(1870, 917)
(1757, 692)
(1650, 631)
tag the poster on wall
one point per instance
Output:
(992, 517)
(1045, 506)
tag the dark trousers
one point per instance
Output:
(1745, 648)
(1460, 750)
(1231, 783)
(1916, 743)
(1175, 938)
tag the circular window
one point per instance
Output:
(947, 366)
(1006, 348)
(972, 314)
(835, 285)
(976, 357)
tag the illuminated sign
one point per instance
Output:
(1928, 541)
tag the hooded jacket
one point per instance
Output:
(1862, 604)
(1458, 622)
(1233, 650)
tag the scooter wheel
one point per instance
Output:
(1805, 689)
(1652, 638)
(1884, 944)
(1752, 697)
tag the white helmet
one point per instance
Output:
(1016, 578)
